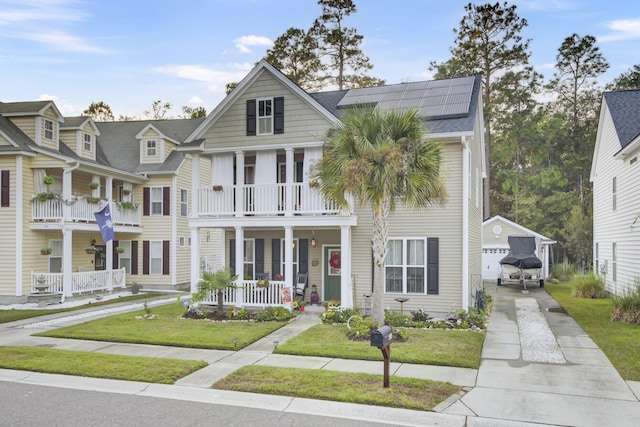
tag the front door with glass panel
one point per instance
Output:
(331, 272)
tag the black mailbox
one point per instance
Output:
(382, 337)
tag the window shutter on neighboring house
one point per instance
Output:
(115, 254)
(259, 256)
(146, 201)
(275, 257)
(232, 255)
(166, 201)
(278, 115)
(251, 117)
(134, 257)
(165, 257)
(4, 189)
(432, 265)
(145, 257)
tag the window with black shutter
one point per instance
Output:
(251, 117)
(4, 188)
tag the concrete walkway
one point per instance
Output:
(570, 383)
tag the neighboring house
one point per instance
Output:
(262, 141)
(495, 245)
(615, 174)
(132, 165)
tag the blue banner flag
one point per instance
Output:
(103, 216)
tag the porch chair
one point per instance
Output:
(301, 284)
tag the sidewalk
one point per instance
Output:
(530, 373)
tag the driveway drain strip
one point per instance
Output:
(537, 342)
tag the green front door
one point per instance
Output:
(331, 272)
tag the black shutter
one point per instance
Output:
(275, 257)
(251, 117)
(259, 256)
(145, 257)
(165, 257)
(134, 257)
(303, 256)
(146, 201)
(115, 254)
(4, 189)
(432, 265)
(232, 255)
(278, 115)
(299, 172)
(166, 201)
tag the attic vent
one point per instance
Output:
(632, 161)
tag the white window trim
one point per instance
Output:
(152, 201)
(146, 147)
(405, 266)
(126, 255)
(52, 130)
(184, 203)
(259, 117)
(251, 262)
(153, 243)
(85, 141)
(295, 257)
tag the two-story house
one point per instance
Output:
(56, 171)
(261, 143)
(615, 173)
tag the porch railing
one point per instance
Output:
(265, 200)
(84, 281)
(249, 294)
(82, 211)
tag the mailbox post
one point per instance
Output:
(382, 339)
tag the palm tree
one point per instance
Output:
(381, 158)
(217, 281)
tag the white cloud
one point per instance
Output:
(245, 42)
(216, 79)
(623, 29)
(195, 100)
(61, 41)
(65, 107)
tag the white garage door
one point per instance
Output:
(491, 262)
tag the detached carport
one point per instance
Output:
(495, 245)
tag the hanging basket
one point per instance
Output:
(126, 192)
(46, 251)
(91, 250)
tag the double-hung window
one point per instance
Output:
(183, 202)
(48, 129)
(124, 259)
(156, 201)
(152, 147)
(249, 262)
(405, 266)
(265, 117)
(87, 142)
(155, 257)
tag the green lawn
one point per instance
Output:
(424, 346)
(619, 341)
(13, 315)
(169, 329)
(97, 365)
(339, 386)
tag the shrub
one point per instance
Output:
(589, 286)
(564, 271)
(237, 313)
(420, 315)
(396, 319)
(626, 308)
(360, 328)
(279, 314)
(400, 334)
(339, 314)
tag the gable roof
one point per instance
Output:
(18, 140)
(78, 122)
(624, 107)
(28, 108)
(121, 147)
(524, 230)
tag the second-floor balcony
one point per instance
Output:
(263, 200)
(81, 210)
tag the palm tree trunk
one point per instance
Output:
(379, 246)
(220, 302)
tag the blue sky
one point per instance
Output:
(130, 53)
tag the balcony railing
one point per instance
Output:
(249, 294)
(82, 211)
(84, 281)
(263, 200)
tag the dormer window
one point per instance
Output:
(265, 117)
(48, 129)
(152, 147)
(87, 142)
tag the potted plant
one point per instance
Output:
(46, 251)
(91, 249)
(135, 288)
(48, 180)
(93, 185)
(93, 200)
(47, 195)
(263, 283)
(302, 304)
(128, 205)
(126, 191)
(119, 249)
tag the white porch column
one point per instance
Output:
(195, 183)
(346, 288)
(67, 262)
(66, 194)
(239, 185)
(239, 267)
(288, 258)
(289, 185)
(195, 259)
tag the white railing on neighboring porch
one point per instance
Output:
(249, 294)
(85, 281)
(82, 211)
(267, 200)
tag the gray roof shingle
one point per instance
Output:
(625, 112)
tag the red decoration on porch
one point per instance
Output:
(334, 261)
